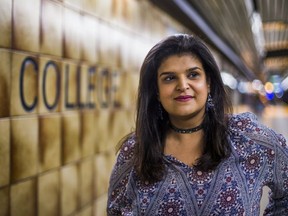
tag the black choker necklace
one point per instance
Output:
(185, 131)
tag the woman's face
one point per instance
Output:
(182, 85)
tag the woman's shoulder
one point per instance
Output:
(245, 122)
(247, 125)
(120, 176)
(124, 162)
(126, 150)
(239, 117)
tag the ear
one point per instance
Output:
(208, 85)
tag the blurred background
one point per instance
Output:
(68, 80)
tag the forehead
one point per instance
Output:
(179, 60)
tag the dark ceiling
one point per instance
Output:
(230, 27)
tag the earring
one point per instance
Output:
(209, 103)
(160, 111)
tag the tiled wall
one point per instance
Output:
(68, 78)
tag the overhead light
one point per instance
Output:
(256, 27)
(257, 85)
(284, 84)
(269, 87)
(245, 87)
(229, 80)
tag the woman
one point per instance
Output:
(189, 155)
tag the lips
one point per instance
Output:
(183, 98)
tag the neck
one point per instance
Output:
(185, 147)
(184, 130)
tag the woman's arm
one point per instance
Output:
(278, 198)
(117, 194)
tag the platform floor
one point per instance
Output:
(276, 117)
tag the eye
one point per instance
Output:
(193, 74)
(169, 78)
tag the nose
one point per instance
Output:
(182, 84)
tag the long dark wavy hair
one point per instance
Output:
(151, 130)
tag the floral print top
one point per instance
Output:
(259, 158)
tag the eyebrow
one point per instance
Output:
(188, 70)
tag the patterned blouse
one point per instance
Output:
(259, 158)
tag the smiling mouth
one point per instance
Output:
(183, 98)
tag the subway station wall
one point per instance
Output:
(68, 82)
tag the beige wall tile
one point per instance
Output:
(86, 181)
(136, 14)
(110, 128)
(4, 201)
(93, 87)
(104, 8)
(121, 90)
(132, 58)
(122, 61)
(4, 152)
(127, 94)
(159, 28)
(131, 118)
(116, 9)
(103, 168)
(5, 82)
(145, 23)
(89, 39)
(115, 132)
(121, 12)
(86, 211)
(100, 206)
(83, 83)
(128, 52)
(72, 33)
(136, 54)
(132, 89)
(24, 147)
(73, 3)
(115, 88)
(116, 41)
(104, 43)
(49, 142)
(6, 23)
(109, 45)
(101, 130)
(26, 25)
(23, 198)
(88, 88)
(24, 81)
(90, 6)
(94, 82)
(131, 13)
(69, 193)
(103, 87)
(71, 137)
(88, 137)
(51, 28)
(125, 52)
(69, 86)
(49, 88)
(49, 194)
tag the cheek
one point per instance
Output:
(164, 90)
(162, 96)
(204, 87)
